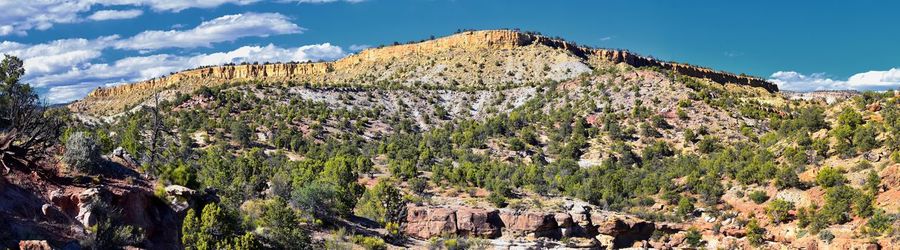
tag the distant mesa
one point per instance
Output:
(428, 63)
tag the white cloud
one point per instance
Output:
(56, 56)
(176, 5)
(115, 14)
(871, 80)
(68, 93)
(21, 16)
(358, 47)
(271, 53)
(322, 1)
(222, 29)
(78, 81)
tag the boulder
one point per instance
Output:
(86, 201)
(625, 229)
(606, 241)
(676, 239)
(529, 223)
(66, 203)
(180, 191)
(428, 222)
(34, 245)
(563, 219)
(180, 197)
(478, 222)
(52, 213)
(865, 246)
(733, 231)
(581, 219)
(589, 243)
(608, 224)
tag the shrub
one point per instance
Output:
(682, 114)
(685, 206)
(707, 145)
(82, 153)
(369, 243)
(786, 177)
(879, 224)
(755, 233)
(497, 199)
(830, 177)
(826, 236)
(837, 206)
(778, 210)
(418, 185)
(758, 197)
(382, 203)
(693, 238)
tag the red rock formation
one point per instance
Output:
(428, 222)
(595, 228)
(478, 222)
(528, 223)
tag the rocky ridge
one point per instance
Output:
(474, 59)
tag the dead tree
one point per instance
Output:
(25, 129)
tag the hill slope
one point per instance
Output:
(486, 138)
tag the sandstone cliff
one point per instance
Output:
(476, 59)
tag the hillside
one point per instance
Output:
(478, 140)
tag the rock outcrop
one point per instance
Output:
(590, 227)
(478, 222)
(530, 224)
(428, 222)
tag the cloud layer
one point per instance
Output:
(21, 16)
(115, 14)
(871, 80)
(76, 82)
(70, 68)
(222, 29)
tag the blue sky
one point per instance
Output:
(74, 46)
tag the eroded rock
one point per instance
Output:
(428, 222)
(478, 222)
(528, 223)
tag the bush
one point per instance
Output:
(497, 199)
(758, 197)
(778, 210)
(879, 224)
(830, 177)
(786, 177)
(685, 206)
(755, 233)
(707, 145)
(382, 203)
(826, 236)
(693, 238)
(369, 243)
(418, 185)
(82, 153)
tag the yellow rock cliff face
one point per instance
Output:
(470, 59)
